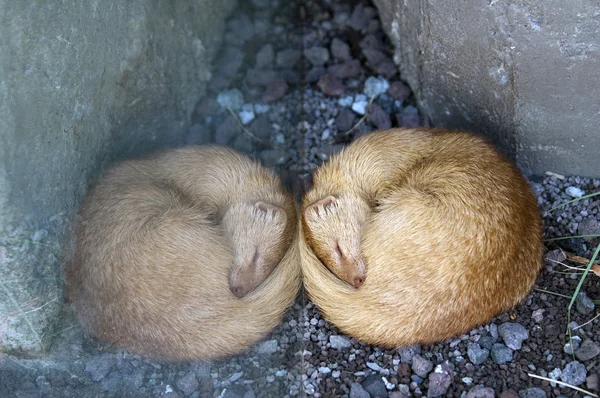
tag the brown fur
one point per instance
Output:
(442, 229)
(157, 241)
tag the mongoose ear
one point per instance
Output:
(318, 208)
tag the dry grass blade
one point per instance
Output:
(572, 237)
(576, 200)
(254, 137)
(23, 314)
(562, 383)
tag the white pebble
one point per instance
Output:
(247, 114)
(281, 373)
(336, 374)
(233, 99)
(261, 108)
(324, 370)
(375, 86)
(351, 357)
(236, 376)
(467, 380)
(168, 388)
(325, 135)
(388, 385)
(360, 107)
(270, 379)
(374, 366)
(574, 192)
(346, 101)
(359, 373)
(554, 375)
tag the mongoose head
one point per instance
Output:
(333, 228)
(258, 236)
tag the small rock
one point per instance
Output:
(314, 74)
(233, 99)
(409, 117)
(476, 354)
(379, 117)
(408, 352)
(574, 373)
(188, 383)
(554, 257)
(357, 391)
(399, 91)
(481, 392)
(264, 56)
(346, 69)
(538, 315)
(344, 120)
(574, 192)
(513, 334)
(421, 366)
(331, 85)
(375, 386)
(404, 370)
(288, 58)
(230, 62)
(370, 41)
(375, 86)
(197, 135)
(227, 130)
(387, 68)
(360, 104)
(340, 50)
(486, 342)
(438, 384)
(317, 56)
(554, 375)
(275, 90)
(403, 393)
(346, 101)
(99, 366)
(273, 157)
(134, 380)
(361, 15)
(234, 391)
(509, 394)
(246, 114)
(339, 342)
(207, 107)
(260, 77)
(593, 382)
(373, 55)
(269, 346)
(261, 127)
(534, 392)
(589, 349)
(585, 305)
(242, 27)
(571, 346)
(589, 226)
(501, 353)
(324, 370)
(112, 383)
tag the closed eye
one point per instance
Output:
(339, 251)
(255, 258)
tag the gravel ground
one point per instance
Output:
(290, 94)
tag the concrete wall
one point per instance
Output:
(524, 72)
(82, 83)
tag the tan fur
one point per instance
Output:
(162, 242)
(446, 228)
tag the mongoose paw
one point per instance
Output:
(321, 208)
(268, 212)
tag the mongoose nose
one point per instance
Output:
(238, 291)
(358, 281)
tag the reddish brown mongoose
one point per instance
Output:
(163, 243)
(430, 233)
